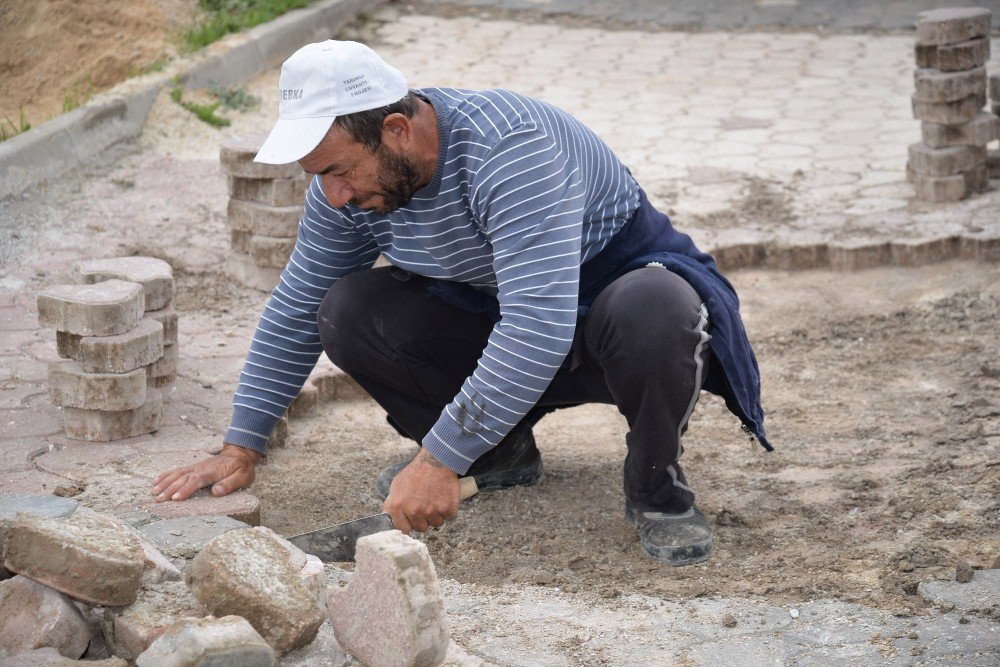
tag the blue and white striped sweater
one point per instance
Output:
(523, 194)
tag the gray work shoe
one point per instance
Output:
(514, 462)
(673, 539)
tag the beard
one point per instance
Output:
(398, 179)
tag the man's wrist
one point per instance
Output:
(244, 452)
(424, 456)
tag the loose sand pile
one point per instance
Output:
(62, 49)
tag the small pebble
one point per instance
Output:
(964, 620)
(963, 572)
(913, 635)
(728, 621)
(794, 613)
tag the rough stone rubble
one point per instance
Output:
(79, 584)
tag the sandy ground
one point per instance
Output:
(880, 390)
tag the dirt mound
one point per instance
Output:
(63, 51)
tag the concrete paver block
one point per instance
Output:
(237, 153)
(242, 269)
(251, 573)
(272, 251)
(103, 426)
(168, 318)
(270, 191)
(81, 556)
(19, 454)
(981, 247)
(952, 25)
(948, 113)
(993, 163)
(239, 505)
(185, 537)
(925, 55)
(130, 630)
(71, 386)
(336, 385)
(165, 365)
(963, 56)
(946, 161)
(392, 612)
(936, 86)
(257, 218)
(116, 354)
(854, 257)
(67, 345)
(105, 309)
(939, 189)
(797, 257)
(34, 616)
(240, 241)
(920, 252)
(979, 131)
(155, 276)
(977, 179)
(220, 642)
(304, 405)
(79, 461)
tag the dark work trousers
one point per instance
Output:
(642, 347)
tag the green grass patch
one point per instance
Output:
(22, 125)
(78, 94)
(226, 16)
(204, 112)
(235, 98)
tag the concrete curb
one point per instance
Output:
(77, 137)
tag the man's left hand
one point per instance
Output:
(423, 494)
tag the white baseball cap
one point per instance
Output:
(320, 82)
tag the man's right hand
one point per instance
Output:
(227, 471)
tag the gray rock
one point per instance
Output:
(184, 538)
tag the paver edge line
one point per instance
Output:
(26, 160)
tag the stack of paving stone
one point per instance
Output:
(265, 205)
(952, 48)
(993, 156)
(82, 584)
(116, 332)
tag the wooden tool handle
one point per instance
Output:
(467, 488)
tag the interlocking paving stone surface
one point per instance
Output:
(736, 14)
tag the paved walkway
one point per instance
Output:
(834, 15)
(785, 138)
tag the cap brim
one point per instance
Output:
(292, 139)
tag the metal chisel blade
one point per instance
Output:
(337, 543)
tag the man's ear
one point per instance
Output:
(397, 131)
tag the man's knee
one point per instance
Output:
(648, 308)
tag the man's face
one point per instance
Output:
(380, 180)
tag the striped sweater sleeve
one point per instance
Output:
(529, 200)
(286, 344)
